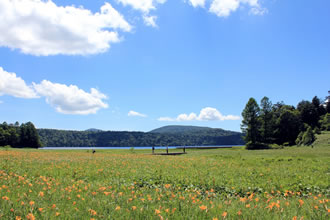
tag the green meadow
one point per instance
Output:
(289, 183)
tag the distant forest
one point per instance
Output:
(198, 137)
(262, 126)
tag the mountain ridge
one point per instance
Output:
(185, 129)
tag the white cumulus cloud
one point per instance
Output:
(66, 99)
(42, 28)
(12, 85)
(206, 114)
(186, 117)
(223, 8)
(197, 3)
(136, 114)
(71, 99)
(212, 114)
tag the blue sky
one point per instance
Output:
(139, 65)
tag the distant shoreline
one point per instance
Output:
(139, 148)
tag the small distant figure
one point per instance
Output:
(94, 151)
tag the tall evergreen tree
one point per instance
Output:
(327, 108)
(318, 106)
(251, 124)
(266, 117)
(308, 113)
(327, 103)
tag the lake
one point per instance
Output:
(135, 148)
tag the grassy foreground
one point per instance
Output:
(291, 183)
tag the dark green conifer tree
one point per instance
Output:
(266, 117)
(251, 124)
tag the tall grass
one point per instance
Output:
(204, 184)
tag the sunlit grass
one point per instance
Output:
(204, 184)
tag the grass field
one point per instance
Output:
(290, 183)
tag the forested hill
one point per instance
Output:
(176, 136)
(181, 129)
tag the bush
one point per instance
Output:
(256, 146)
(276, 146)
(308, 138)
(6, 147)
(325, 122)
(317, 130)
(299, 138)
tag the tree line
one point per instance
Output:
(281, 124)
(25, 135)
(64, 138)
(19, 135)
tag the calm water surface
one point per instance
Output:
(135, 148)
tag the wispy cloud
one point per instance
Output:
(166, 119)
(150, 20)
(144, 6)
(206, 114)
(197, 3)
(223, 8)
(136, 114)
